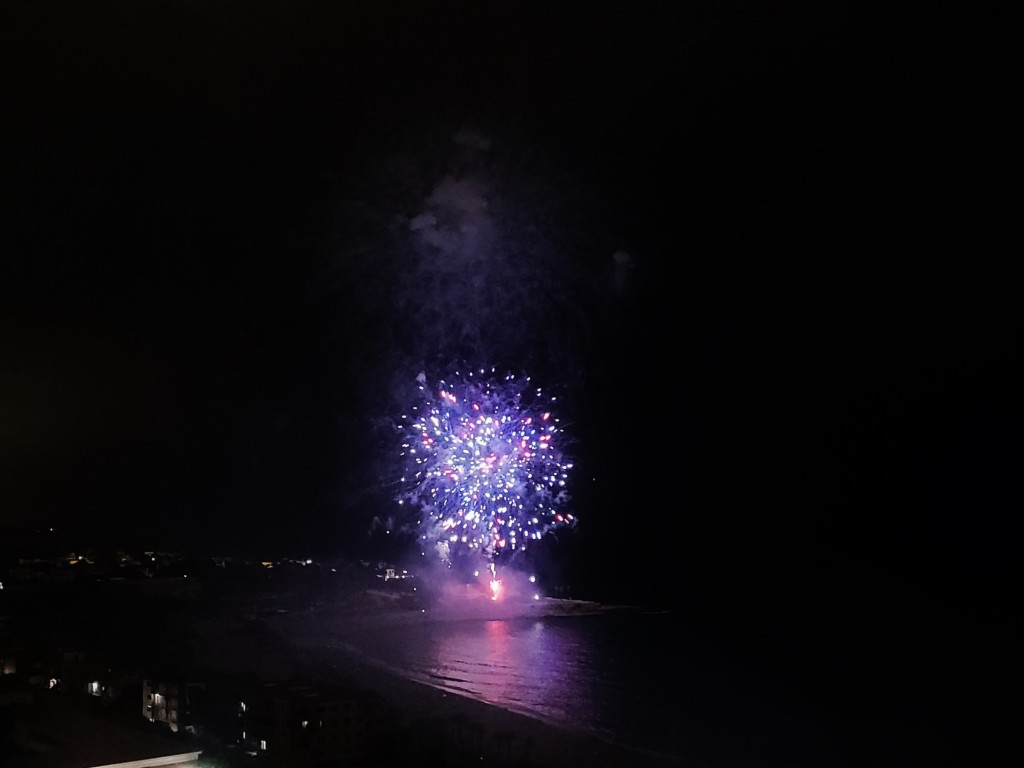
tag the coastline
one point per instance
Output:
(488, 733)
(500, 735)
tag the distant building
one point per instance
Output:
(303, 725)
(38, 571)
(42, 665)
(176, 704)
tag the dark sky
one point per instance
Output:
(805, 359)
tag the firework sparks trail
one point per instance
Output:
(485, 467)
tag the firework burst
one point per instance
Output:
(485, 470)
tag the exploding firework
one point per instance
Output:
(485, 468)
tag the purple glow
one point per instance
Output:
(484, 467)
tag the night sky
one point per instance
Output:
(762, 249)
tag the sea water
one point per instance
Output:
(618, 675)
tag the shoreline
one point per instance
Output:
(501, 735)
(489, 732)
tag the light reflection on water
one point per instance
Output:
(522, 665)
(610, 675)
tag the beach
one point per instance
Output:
(487, 734)
(474, 731)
